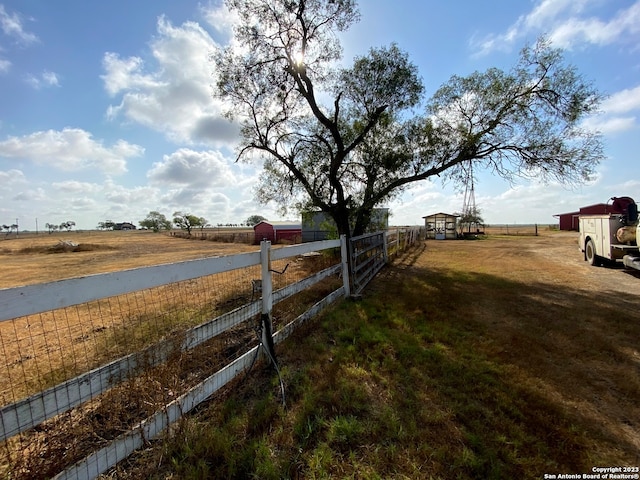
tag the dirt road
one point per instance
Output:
(561, 327)
(552, 257)
(562, 249)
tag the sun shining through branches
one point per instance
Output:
(345, 140)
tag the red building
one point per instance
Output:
(278, 232)
(569, 221)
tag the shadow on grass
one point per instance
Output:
(539, 371)
(435, 374)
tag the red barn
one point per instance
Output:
(569, 221)
(278, 232)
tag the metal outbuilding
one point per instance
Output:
(441, 226)
(568, 221)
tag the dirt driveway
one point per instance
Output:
(552, 257)
(562, 248)
(561, 326)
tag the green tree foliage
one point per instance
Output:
(254, 220)
(156, 221)
(106, 225)
(470, 220)
(187, 221)
(68, 225)
(203, 223)
(345, 140)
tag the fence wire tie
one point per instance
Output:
(258, 329)
(282, 272)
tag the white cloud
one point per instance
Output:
(196, 201)
(11, 25)
(617, 112)
(46, 79)
(566, 23)
(125, 74)
(629, 186)
(70, 149)
(10, 177)
(221, 19)
(74, 186)
(192, 169)
(605, 125)
(623, 101)
(136, 197)
(81, 204)
(37, 194)
(172, 94)
(5, 65)
(50, 78)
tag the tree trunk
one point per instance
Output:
(340, 216)
(363, 219)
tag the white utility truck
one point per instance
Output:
(612, 236)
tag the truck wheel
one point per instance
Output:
(590, 254)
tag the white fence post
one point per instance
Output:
(30, 300)
(267, 301)
(344, 254)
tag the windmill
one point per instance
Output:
(470, 214)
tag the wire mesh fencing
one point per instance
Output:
(79, 375)
(400, 240)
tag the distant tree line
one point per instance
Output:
(10, 228)
(157, 222)
(54, 227)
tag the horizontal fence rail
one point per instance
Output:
(22, 301)
(115, 358)
(367, 254)
(295, 269)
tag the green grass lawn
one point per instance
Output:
(407, 383)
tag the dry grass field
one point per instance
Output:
(507, 357)
(42, 350)
(503, 357)
(565, 329)
(31, 258)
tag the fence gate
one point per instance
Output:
(367, 255)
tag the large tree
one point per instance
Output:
(254, 220)
(156, 221)
(344, 140)
(188, 221)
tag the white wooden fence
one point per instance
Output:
(367, 255)
(29, 412)
(370, 252)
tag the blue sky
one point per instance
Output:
(107, 113)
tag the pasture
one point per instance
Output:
(30, 258)
(500, 358)
(505, 357)
(131, 330)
